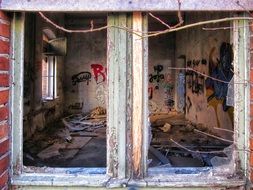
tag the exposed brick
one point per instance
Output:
(4, 96)
(251, 92)
(4, 64)
(5, 30)
(4, 47)
(251, 143)
(251, 160)
(251, 175)
(4, 112)
(4, 179)
(251, 60)
(4, 163)
(251, 74)
(4, 147)
(4, 80)
(4, 131)
(4, 16)
(251, 42)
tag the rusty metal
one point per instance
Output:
(124, 5)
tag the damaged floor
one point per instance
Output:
(80, 141)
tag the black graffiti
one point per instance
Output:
(81, 77)
(195, 82)
(76, 106)
(188, 104)
(157, 77)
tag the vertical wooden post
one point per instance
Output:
(18, 31)
(117, 100)
(241, 91)
(139, 95)
(128, 95)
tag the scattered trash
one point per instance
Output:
(166, 128)
(165, 153)
(51, 151)
(64, 139)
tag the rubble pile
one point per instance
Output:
(63, 140)
(177, 142)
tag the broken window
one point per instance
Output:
(70, 129)
(192, 125)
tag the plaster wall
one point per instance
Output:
(161, 79)
(85, 75)
(201, 49)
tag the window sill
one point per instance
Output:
(71, 177)
(96, 177)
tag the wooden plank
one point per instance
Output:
(137, 110)
(117, 105)
(129, 99)
(241, 92)
(160, 156)
(121, 106)
(111, 139)
(18, 31)
(123, 5)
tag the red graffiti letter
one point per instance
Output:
(98, 70)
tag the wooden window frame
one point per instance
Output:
(127, 136)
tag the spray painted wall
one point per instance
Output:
(85, 79)
(202, 51)
(161, 79)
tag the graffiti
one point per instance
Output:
(99, 72)
(101, 94)
(157, 77)
(169, 100)
(150, 93)
(181, 91)
(188, 104)
(222, 70)
(195, 82)
(76, 106)
(81, 77)
(198, 83)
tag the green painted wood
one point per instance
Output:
(17, 36)
(129, 99)
(117, 87)
(241, 96)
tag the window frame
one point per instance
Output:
(97, 177)
(51, 77)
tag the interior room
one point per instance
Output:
(190, 92)
(65, 91)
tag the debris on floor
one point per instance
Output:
(79, 140)
(63, 140)
(177, 142)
